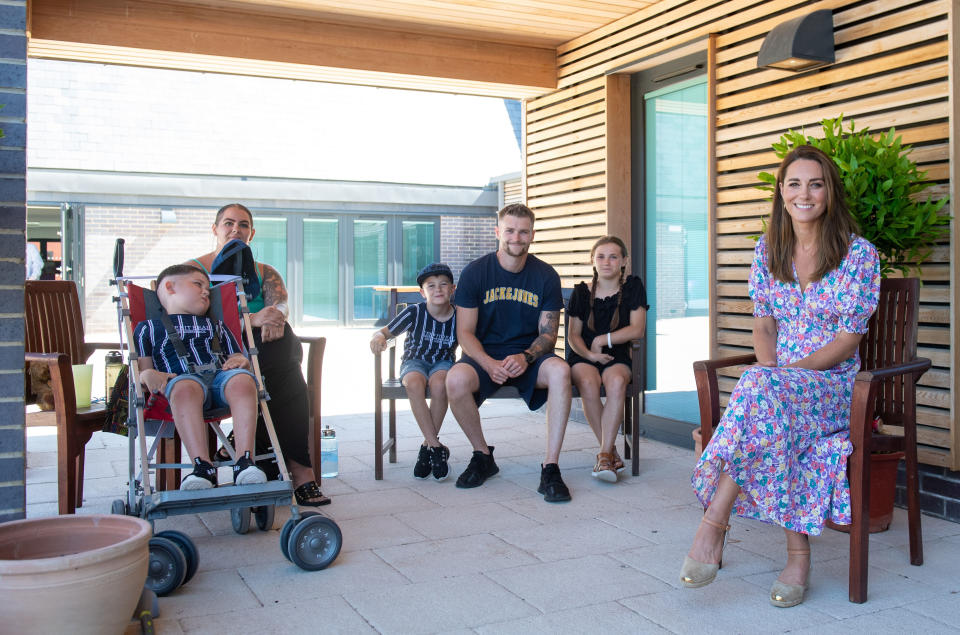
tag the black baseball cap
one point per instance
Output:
(434, 269)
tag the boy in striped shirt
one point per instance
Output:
(428, 352)
(205, 369)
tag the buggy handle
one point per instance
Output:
(118, 259)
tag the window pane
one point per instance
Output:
(417, 248)
(269, 244)
(321, 270)
(369, 268)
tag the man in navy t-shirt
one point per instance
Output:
(508, 314)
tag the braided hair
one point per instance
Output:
(615, 320)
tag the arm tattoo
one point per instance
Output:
(272, 288)
(547, 340)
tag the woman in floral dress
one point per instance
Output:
(780, 451)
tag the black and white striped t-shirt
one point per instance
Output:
(196, 331)
(428, 339)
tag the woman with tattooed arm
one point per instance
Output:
(280, 356)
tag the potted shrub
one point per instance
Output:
(884, 190)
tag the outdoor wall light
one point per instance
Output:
(799, 44)
(168, 216)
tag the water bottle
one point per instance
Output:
(329, 461)
(112, 364)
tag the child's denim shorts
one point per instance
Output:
(213, 396)
(423, 367)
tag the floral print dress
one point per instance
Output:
(784, 437)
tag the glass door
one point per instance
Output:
(321, 270)
(675, 133)
(269, 244)
(369, 270)
(418, 245)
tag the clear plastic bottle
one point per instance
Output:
(113, 362)
(329, 459)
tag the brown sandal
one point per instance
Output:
(309, 495)
(618, 465)
(604, 470)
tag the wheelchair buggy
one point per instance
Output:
(310, 540)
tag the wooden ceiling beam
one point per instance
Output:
(184, 30)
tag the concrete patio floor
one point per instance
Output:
(426, 557)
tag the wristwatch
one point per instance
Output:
(528, 357)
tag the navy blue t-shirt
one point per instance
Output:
(509, 304)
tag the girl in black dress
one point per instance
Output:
(603, 317)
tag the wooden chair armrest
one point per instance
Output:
(708, 391)
(61, 381)
(711, 365)
(865, 387)
(916, 367)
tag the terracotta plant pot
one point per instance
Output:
(883, 491)
(72, 574)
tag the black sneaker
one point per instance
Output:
(551, 485)
(480, 469)
(438, 462)
(204, 476)
(422, 468)
(246, 472)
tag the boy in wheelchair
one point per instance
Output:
(180, 357)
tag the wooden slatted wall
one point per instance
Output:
(892, 69)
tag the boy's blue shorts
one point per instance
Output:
(423, 367)
(213, 394)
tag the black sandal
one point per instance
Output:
(308, 491)
(222, 456)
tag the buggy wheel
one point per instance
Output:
(285, 537)
(167, 567)
(314, 543)
(264, 517)
(186, 545)
(118, 507)
(240, 517)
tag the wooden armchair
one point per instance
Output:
(885, 387)
(54, 336)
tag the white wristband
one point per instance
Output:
(282, 307)
(609, 343)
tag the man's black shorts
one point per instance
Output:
(525, 383)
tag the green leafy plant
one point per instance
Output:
(883, 187)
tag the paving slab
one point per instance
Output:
(563, 584)
(450, 557)
(610, 618)
(353, 571)
(465, 519)
(333, 615)
(207, 594)
(567, 539)
(726, 606)
(438, 606)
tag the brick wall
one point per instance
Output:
(939, 491)
(13, 223)
(466, 238)
(150, 246)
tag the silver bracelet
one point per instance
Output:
(609, 343)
